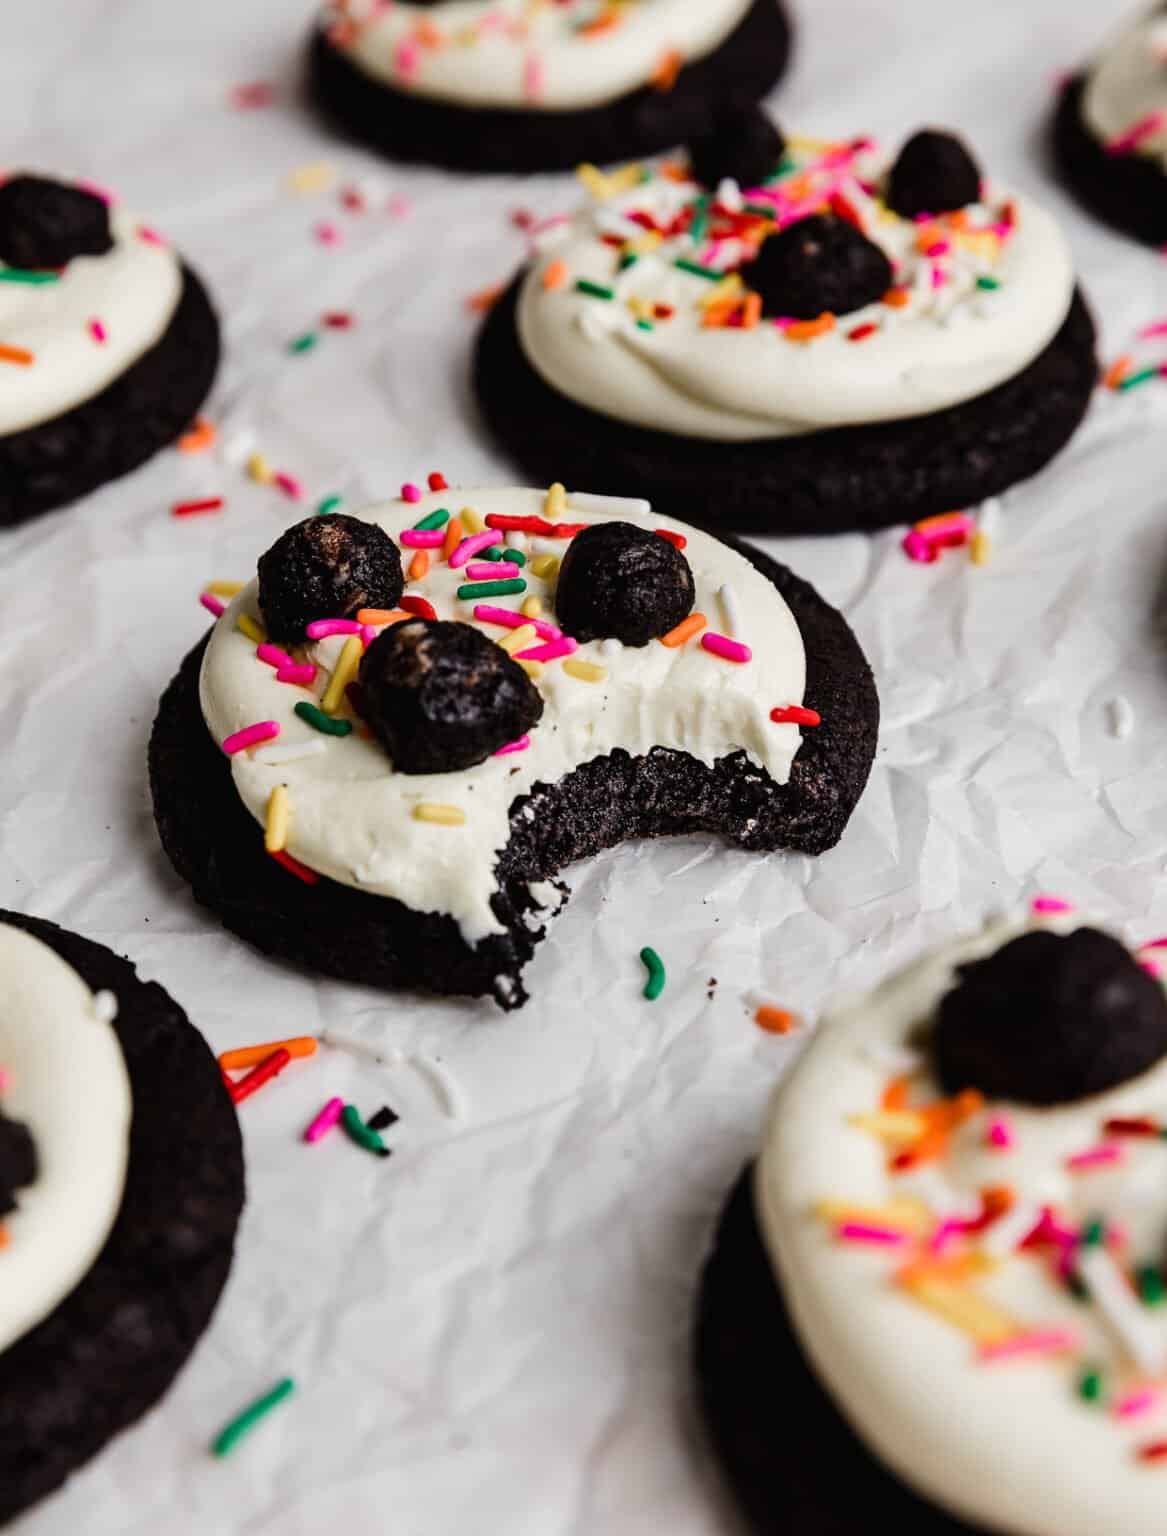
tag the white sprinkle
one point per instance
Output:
(900, 1060)
(105, 1007)
(989, 516)
(388, 1057)
(609, 221)
(1136, 1331)
(289, 751)
(1121, 715)
(1010, 1230)
(239, 447)
(611, 646)
(514, 538)
(445, 1089)
(630, 506)
(729, 194)
(546, 546)
(730, 617)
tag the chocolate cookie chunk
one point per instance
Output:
(46, 223)
(618, 581)
(820, 264)
(326, 568)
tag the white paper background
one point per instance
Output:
(490, 1331)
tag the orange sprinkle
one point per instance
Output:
(454, 537)
(200, 436)
(3, 1237)
(798, 187)
(1118, 371)
(927, 236)
(751, 311)
(719, 314)
(428, 35)
(668, 67)
(950, 1267)
(485, 298)
(807, 330)
(926, 1149)
(419, 565)
(775, 1021)
(555, 274)
(937, 520)
(384, 615)
(252, 1055)
(998, 1198)
(673, 170)
(897, 298)
(895, 1095)
(19, 355)
(685, 630)
(604, 22)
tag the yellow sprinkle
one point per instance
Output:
(312, 178)
(807, 146)
(728, 288)
(594, 180)
(890, 1125)
(275, 833)
(642, 244)
(441, 815)
(555, 502)
(641, 308)
(964, 1309)
(346, 670)
(519, 639)
(533, 669)
(224, 588)
(545, 566)
(532, 606)
(625, 177)
(253, 630)
(259, 469)
(472, 520)
(586, 671)
(909, 1216)
(982, 547)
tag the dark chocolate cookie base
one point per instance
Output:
(407, 126)
(145, 408)
(1127, 191)
(795, 1465)
(837, 481)
(217, 847)
(109, 1351)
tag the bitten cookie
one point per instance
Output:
(1110, 129)
(793, 336)
(549, 675)
(483, 87)
(949, 1257)
(121, 1184)
(108, 344)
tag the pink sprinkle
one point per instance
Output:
(422, 538)
(1049, 1341)
(320, 629)
(328, 233)
(515, 746)
(410, 492)
(1105, 1153)
(251, 736)
(291, 487)
(496, 570)
(533, 77)
(1138, 1402)
(727, 649)
(939, 248)
(257, 94)
(211, 603)
(1145, 128)
(486, 613)
(273, 655)
(474, 545)
(302, 675)
(98, 331)
(1157, 328)
(1152, 967)
(98, 191)
(369, 633)
(399, 206)
(1049, 904)
(918, 548)
(150, 236)
(861, 1232)
(944, 1234)
(407, 58)
(325, 1120)
(1000, 1132)
(1160, 943)
(939, 277)
(552, 651)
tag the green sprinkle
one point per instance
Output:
(476, 589)
(1090, 1385)
(515, 556)
(229, 1437)
(645, 325)
(629, 259)
(350, 1118)
(698, 270)
(785, 166)
(988, 282)
(319, 721)
(595, 290)
(763, 208)
(22, 275)
(493, 553)
(1093, 1233)
(1133, 380)
(304, 343)
(329, 504)
(1150, 1283)
(655, 967)
(1077, 1288)
(437, 519)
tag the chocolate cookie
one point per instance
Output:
(109, 1351)
(408, 125)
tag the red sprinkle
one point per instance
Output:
(437, 482)
(1140, 1126)
(338, 320)
(508, 524)
(1156, 1450)
(263, 1073)
(418, 605)
(862, 332)
(678, 539)
(846, 210)
(795, 714)
(193, 508)
(294, 867)
(257, 94)
(567, 530)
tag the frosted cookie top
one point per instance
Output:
(976, 1276)
(85, 290)
(65, 1082)
(688, 306)
(1124, 101)
(432, 839)
(528, 53)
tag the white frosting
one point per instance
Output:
(352, 815)
(67, 1081)
(1127, 82)
(993, 1443)
(947, 344)
(514, 53)
(132, 291)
